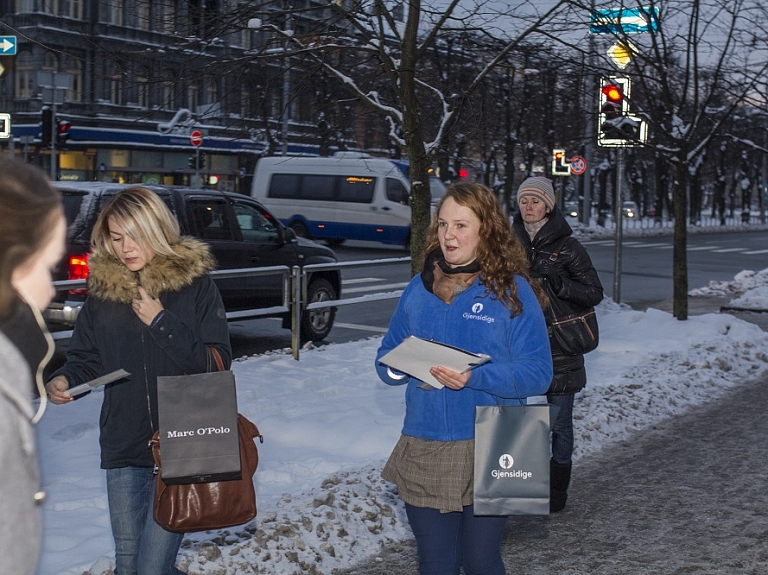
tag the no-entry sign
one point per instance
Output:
(196, 137)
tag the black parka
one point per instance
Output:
(581, 288)
(109, 336)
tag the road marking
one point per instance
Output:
(377, 287)
(361, 327)
(726, 250)
(361, 281)
(755, 252)
(703, 248)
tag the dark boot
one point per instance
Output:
(559, 479)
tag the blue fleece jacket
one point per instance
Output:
(520, 366)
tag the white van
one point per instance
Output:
(336, 198)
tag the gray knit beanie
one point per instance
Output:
(538, 187)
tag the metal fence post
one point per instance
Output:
(296, 311)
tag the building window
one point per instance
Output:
(143, 10)
(211, 92)
(75, 71)
(192, 95)
(169, 95)
(111, 12)
(50, 7)
(50, 62)
(142, 88)
(115, 90)
(167, 17)
(24, 76)
(24, 6)
(72, 9)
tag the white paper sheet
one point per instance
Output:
(415, 356)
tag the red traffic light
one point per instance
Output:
(62, 131)
(613, 93)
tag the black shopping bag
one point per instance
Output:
(512, 459)
(198, 427)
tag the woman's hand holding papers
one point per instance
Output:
(449, 378)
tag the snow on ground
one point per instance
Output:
(329, 424)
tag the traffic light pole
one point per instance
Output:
(619, 219)
(54, 134)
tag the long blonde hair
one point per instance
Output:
(143, 216)
(500, 253)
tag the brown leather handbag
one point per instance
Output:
(192, 507)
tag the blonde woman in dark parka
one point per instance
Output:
(153, 310)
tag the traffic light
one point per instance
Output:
(616, 126)
(191, 162)
(62, 131)
(202, 159)
(560, 164)
(46, 126)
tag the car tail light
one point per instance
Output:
(78, 270)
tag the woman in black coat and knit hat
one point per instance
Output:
(571, 277)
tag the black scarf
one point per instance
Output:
(445, 281)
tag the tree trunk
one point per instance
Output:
(680, 243)
(509, 173)
(420, 199)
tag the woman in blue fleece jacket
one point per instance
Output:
(473, 293)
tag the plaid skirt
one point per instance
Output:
(435, 474)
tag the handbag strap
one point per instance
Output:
(217, 358)
(556, 254)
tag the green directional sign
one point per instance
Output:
(7, 45)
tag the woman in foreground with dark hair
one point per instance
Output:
(32, 235)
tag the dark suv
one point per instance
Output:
(241, 233)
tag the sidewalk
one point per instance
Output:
(689, 496)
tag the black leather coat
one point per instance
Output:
(580, 287)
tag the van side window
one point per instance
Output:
(255, 226)
(356, 189)
(285, 186)
(396, 191)
(314, 187)
(209, 219)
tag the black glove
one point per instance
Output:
(543, 269)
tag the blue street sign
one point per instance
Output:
(624, 21)
(7, 45)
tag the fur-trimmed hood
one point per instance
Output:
(109, 279)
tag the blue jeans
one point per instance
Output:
(562, 430)
(142, 547)
(445, 542)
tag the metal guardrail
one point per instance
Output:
(295, 283)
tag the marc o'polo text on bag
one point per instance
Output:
(201, 431)
(198, 428)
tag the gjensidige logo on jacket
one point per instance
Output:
(477, 314)
(506, 471)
